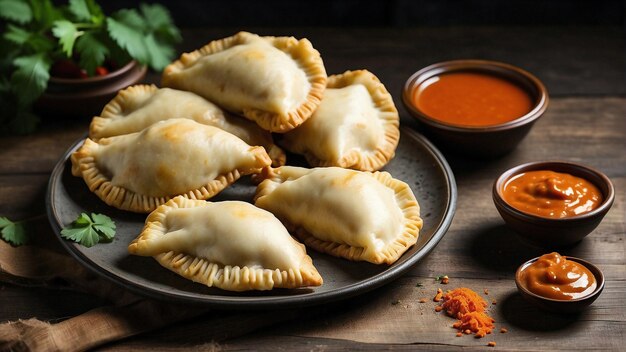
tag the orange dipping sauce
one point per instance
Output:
(553, 276)
(551, 194)
(472, 99)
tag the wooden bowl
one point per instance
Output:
(85, 97)
(477, 141)
(556, 305)
(550, 232)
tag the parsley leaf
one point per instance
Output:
(16, 34)
(124, 31)
(30, 77)
(16, 10)
(13, 232)
(67, 33)
(90, 230)
(92, 51)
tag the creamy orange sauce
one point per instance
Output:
(472, 99)
(553, 276)
(551, 194)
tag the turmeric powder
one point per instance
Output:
(469, 308)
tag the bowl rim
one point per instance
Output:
(438, 68)
(595, 270)
(95, 79)
(499, 201)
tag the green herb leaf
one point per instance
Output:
(16, 34)
(31, 76)
(80, 10)
(45, 13)
(104, 225)
(13, 232)
(92, 51)
(88, 231)
(128, 36)
(67, 33)
(160, 21)
(160, 55)
(16, 10)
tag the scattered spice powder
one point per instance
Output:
(504, 330)
(458, 334)
(491, 344)
(438, 308)
(469, 308)
(438, 296)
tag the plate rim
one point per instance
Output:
(307, 299)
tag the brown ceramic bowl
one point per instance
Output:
(550, 232)
(556, 305)
(85, 97)
(477, 141)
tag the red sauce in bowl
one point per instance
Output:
(551, 194)
(472, 99)
(553, 276)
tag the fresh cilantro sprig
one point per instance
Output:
(88, 231)
(13, 232)
(36, 34)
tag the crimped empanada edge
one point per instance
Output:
(404, 198)
(231, 278)
(84, 164)
(302, 51)
(391, 121)
(115, 108)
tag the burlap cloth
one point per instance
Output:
(45, 264)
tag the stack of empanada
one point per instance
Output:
(168, 150)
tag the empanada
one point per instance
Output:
(232, 245)
(355, 126)
(139, 106)
(352, 214)
(275, 81)
(142, 170)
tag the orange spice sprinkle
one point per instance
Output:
(468, 331)
(423, 300)
(486, 291)
(458, 334)
(491, 344)
(438, 296)
(504, 330)
(438, 308)
(469, 308)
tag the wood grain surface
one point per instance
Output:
(584, 70)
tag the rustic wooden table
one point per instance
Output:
(584, 71)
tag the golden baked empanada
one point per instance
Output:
(355, 126)
(232, 245)
(275, 81)
(352, 214)
(142, 170)
(139, 106)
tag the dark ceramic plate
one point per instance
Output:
(417, 162)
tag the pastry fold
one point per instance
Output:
(230, 245)
(356, 215)
(142, 170)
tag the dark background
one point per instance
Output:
(212, 13)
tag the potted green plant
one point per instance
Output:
(74, 56)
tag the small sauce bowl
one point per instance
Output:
(477, 141)
(556, 305)
(554, 232)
